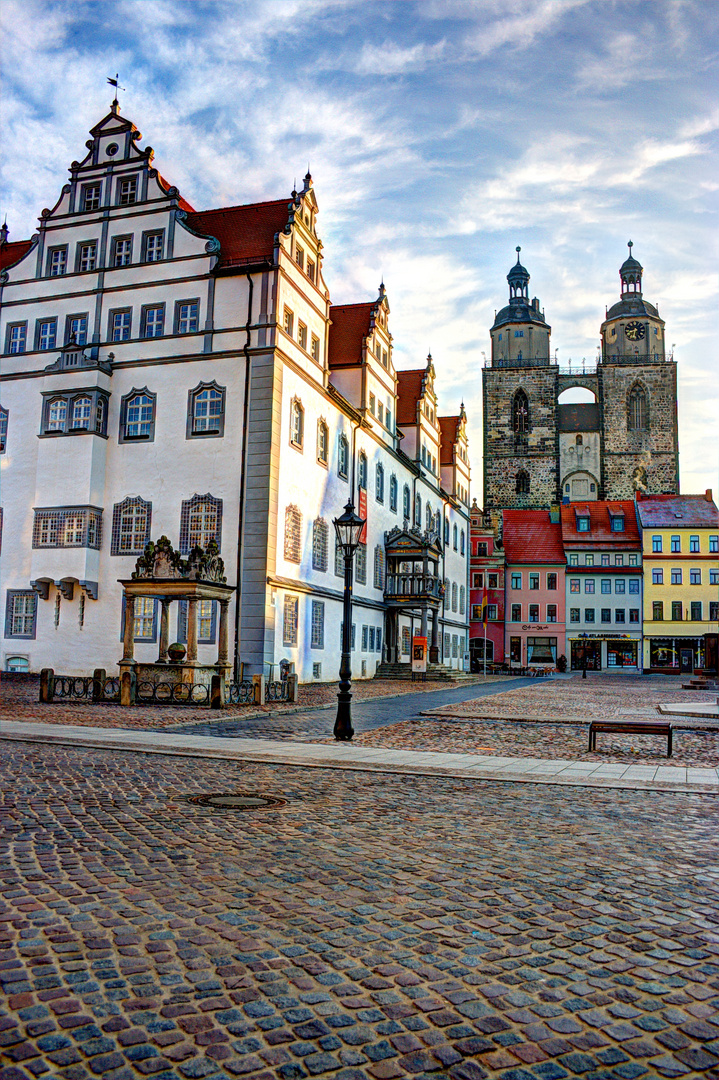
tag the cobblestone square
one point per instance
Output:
(376, 926)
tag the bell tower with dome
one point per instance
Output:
(520, 405)
(637, 395)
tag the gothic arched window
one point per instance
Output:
(130, 526)
(406, 501)
(522, 483)
(362, 482)
(520, 413)
(393, 494)
(379, 483)
(418, 511)
(638, 409)
(343, 457)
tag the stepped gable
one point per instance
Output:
(350, 325)
(449, 432)
(409, 392)
(531, 537)
(600, 523)
(246, 233)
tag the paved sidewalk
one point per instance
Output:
(668, 778)
(703, 709)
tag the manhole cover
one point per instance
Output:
(237, 800)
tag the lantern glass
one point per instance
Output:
(349, 528)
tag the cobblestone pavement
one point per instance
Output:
(372, 928)
(695, 748)
(597, 697)
(19, 701)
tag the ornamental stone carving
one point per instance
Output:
(160, 560)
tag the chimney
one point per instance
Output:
(708, 495)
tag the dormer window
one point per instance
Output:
(617, 522)
(582, 523)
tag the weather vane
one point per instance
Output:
(114, 82)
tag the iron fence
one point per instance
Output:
(172, 693)
(277, 691)
(240, 693)
(85, 688)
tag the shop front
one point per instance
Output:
(605, 652)
(676, 655)
(533, 650)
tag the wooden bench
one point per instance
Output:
(631, 727)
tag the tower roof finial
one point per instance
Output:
(518, 249)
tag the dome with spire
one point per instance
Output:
(632, 302)
(519, 309)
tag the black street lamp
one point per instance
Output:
(349, 530)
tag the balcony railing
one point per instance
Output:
(636, 358)
(421, 586)
(529, 361)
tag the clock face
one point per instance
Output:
(634, 331)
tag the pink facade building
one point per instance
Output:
(534, 588)
(486, 578)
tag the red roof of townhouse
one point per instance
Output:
(409, 391)
(246, 233)
(448, 432)
(531, 537)
(600, 523)
(11, 251)
(350, 325)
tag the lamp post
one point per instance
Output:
(349, 528)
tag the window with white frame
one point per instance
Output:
(153, 321)
(320, 544)
(290, 620)
(206, 413)
(87, 256)
(127, 191)
(137, 416)
(16, 338)
(121, 250)
(393, 493)
(317, 640)
(379, 565)
(120, 325)
(57, 261)
(47, 334)
(131, 522)
(91, 196)
(3, 429)
(361, 564)
(154, 244)
(57, 415)
(187, 317)
(323, 442)
(288, 322)
(200, 522)
(76, 329)
(20, 613)
(379, 482)
(461, 599)
(293, 534)
(81, 412)
(315, 348)
(297, 424)
(343, 457)
(406, 505)
(362, 471)
(302, 336)
(73, 526)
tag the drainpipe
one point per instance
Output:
(245, 410)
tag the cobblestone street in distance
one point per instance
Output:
(374, 927)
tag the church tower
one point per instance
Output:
(520, 405)
(637, 389)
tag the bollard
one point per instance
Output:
(98, 683)
(128, 687)
(293, 693)
(47, 685)
(258, 688)
(217, 692)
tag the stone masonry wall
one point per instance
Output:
(652, 455)
(502, 461)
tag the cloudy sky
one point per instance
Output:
(440, 134)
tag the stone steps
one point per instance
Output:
(435, 673)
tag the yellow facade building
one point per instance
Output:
(680, 541)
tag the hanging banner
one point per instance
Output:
(363, 513)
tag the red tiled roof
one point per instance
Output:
(599, 522)
(409, 391)
(183, 203)
(448, 432)
(12, 251)
(350, 324)
(246, 233)
(530, 537)
(678, 511)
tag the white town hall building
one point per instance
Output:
(182, 373)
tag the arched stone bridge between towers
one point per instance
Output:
(570, 377)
